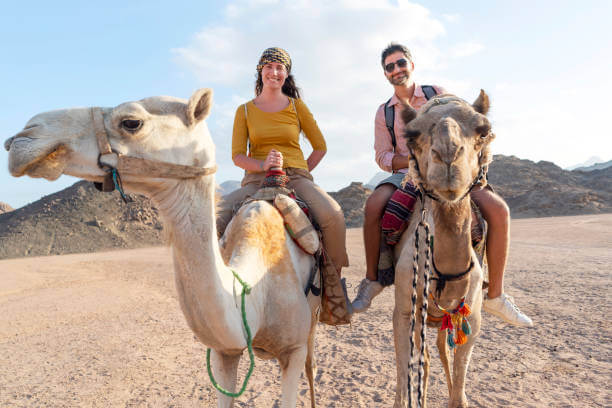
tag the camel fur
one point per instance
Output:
(282, 319)
(450, 142)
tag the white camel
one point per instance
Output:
(162, 148)
(449, 140)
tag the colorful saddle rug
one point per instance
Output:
(396, 219)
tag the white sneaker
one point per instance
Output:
(503, 307)
(367, 291)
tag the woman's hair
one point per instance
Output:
(289, 87)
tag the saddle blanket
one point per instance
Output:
(395, 220)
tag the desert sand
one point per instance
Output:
(106, 330)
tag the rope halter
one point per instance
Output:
(113, 163)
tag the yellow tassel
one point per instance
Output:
(457, 319)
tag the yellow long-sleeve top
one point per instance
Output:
(264, 131)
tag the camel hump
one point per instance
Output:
(258, 225)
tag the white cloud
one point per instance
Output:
(451, 18)
(466, 49)
(335, 48)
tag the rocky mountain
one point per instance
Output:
(543, 189)
(81, 219)
(352, 200)
(4, 208)
(78, 219)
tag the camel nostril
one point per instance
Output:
(436, 156)
(458, 153)
(8, 142)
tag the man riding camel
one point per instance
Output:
(392, 156)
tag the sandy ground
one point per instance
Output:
(105, 330)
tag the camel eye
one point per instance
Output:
(483, 130)
(131, 125)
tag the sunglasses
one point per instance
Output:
(402, 63)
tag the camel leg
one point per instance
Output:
(460, 365)
(291, 363)
(444, 358)
(311, 363)
(225, 368)
(401, 330)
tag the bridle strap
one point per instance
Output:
(97, 119)
(110, 160)
(442, 278)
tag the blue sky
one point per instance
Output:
(545, 64)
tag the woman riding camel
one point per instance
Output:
(266, 135)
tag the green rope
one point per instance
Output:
(246, 289)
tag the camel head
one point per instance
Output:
(450, 140)
(162, 129)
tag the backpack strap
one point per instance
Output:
(390, 120)
(429, 91)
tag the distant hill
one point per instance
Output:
(352, 200)
(81, 219)
(596, 166)
(78, 219)
(4, 207)
(228, 186)
(589, 162)
(544, 189)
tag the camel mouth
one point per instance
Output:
(48, 165)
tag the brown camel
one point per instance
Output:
(450, 143)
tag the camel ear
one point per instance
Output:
(481, 104)
(408, 113)
(198, 107)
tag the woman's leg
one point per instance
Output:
(335, 306)
(328, 214)
(497, 214)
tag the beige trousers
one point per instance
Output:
(325, 210)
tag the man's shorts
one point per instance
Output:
(394, 179)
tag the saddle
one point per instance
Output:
(396, 218)
(305, 232)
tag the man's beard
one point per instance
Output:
(399, 79)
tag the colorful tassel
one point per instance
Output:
(456, 318)
(449, 340)
(446, 322)
(461, 337)
(464, 309)
(465, 326)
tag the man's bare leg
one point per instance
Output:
(495, 210)
(373, 212)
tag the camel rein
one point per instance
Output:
(442, 279)
(246, 289)
(114, 164)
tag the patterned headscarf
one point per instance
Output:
(275, 54)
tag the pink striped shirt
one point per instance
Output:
(383, 146)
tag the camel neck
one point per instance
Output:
(204, 283)
(452, 236)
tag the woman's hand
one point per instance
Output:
(274, 159)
